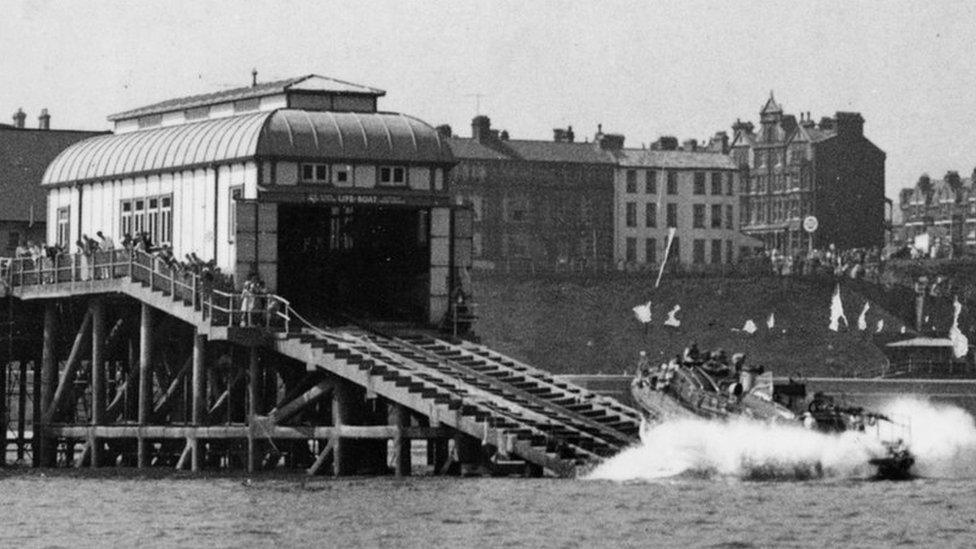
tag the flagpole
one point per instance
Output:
(667, 252)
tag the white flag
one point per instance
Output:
(960, 343)
(672, 319)
(880, 326)
(643, 312)
(862, 321)
(750, 327)
(837, 311)
(771, 321)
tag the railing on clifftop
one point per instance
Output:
(220, 308)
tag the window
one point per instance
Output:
(729, 190)
(716, 216)
(757, 158)
(631, 250)
(152, 220)
(244, 105)
(699, 182)
(64, 227)
(716, 183)
(650, 250)
(728, 251)
(166, 219)
(236, 193)
(393, 175)
(197, 113)
(672, 182)
(651, 183)
(341, 173)
(672, 215)
(698, 251)
(698, 216)
(675, 249)
(650, 215)
(728, 217)
(125, 227)
(13, 239)
(315, 173)
(150, 120)
(631, 181)
(631, 214)
(138, 217)
(716, 252)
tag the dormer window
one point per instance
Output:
(393, 176)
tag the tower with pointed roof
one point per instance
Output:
(793, 168)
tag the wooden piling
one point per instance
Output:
(49, 370)
(254, 405)
(341, 413)
(145, 380)
(22, 411)
(199, 405)
(400, 418)
(97, 376)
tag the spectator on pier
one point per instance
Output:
(21, 251)
(247, 299)
(106, 243)
(127, 241)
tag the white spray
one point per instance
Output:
(943, 440)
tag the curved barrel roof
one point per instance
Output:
(286, 133)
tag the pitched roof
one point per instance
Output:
(24, 155)
(465, 148)
(346, 136)
(675, 159)
(312, 82)
(771, 106)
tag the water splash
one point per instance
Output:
(942, 437)
(744, 449)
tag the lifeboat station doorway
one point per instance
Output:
(366, 262)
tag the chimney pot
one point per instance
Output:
(44, 120)
(19, 118)
(254, 77)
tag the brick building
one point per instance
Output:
(693, 190)
(793, 168)
(545, 203)
(24, 155)
(944, 210)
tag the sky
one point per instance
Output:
(643, 69)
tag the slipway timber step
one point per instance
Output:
(559, 395)
(515, 427)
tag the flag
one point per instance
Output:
(771, 321)
(672, 319)
(837, 310)
(880, 326)
(643, 312)
(667, 250)
(960, 343)
(862, 321)
(750, 327)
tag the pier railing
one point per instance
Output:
(219, 307)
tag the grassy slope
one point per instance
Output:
(587, 326)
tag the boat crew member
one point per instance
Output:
(643, 365)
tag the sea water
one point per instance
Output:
(709, 496)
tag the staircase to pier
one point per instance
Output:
(521, 411)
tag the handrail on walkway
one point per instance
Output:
(221, 308)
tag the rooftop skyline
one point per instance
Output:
(642, 69)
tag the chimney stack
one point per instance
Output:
(690, 145)
(254, 77)
(19, 118)
(44, 120)
(481, 128)
(444, 130)
(560, 135)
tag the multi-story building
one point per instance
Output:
(798, 168)
(544, 203)
(942, 211)
(24, 155)
(694, 191)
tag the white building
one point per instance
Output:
(694, 192)
(336, 205)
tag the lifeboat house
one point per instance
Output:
(336, 206)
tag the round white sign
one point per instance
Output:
(810, 224)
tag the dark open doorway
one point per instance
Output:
(364, 262)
